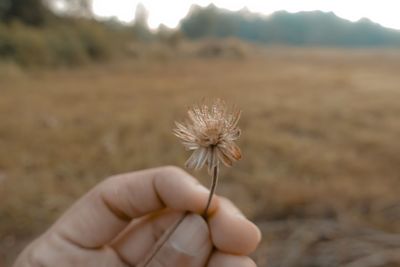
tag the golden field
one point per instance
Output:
(321, 129)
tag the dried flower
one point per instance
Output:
(211, 133)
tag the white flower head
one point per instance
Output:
(210, 132)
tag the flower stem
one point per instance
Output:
(161, 242)
(212, 191)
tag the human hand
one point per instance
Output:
(119, 221)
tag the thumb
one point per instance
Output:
(188, 246)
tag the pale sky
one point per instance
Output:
(384, 12)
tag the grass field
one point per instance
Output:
(321, 131)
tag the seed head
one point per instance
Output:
(210, 132)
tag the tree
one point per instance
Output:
(80, 8)
(169, 37)
(141, 27)
(32, 12)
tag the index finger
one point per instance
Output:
(98, 217)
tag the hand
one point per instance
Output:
(120, 220)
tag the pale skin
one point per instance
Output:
(119, 221)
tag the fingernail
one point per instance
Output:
(191, 236)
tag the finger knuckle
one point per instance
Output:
(35, 258)
(172, 170)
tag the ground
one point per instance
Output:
(320, 171)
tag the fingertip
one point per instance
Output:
(254, 235)
(232, 232)
(220, 259)
(256, 232)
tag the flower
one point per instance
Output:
(210, 132)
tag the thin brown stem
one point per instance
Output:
(160, 243)
(212, 191)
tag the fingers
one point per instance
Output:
(100, 215)
(190, 242)
(188, 245)
(219, 259)
(136, 240)
(231, 232)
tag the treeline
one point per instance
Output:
(32, 34)
(41, 12)
(37, 33)
(314, 28)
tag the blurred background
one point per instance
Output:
(91, 88)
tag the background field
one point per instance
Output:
(320, 173)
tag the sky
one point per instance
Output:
(169, 13)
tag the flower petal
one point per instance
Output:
(234, 119)
(225, 159)
(190, 145)
(197, 159)
(202, 157)
(232, 135)
(192, 160)
(231, 150)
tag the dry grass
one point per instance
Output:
(320, 136)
